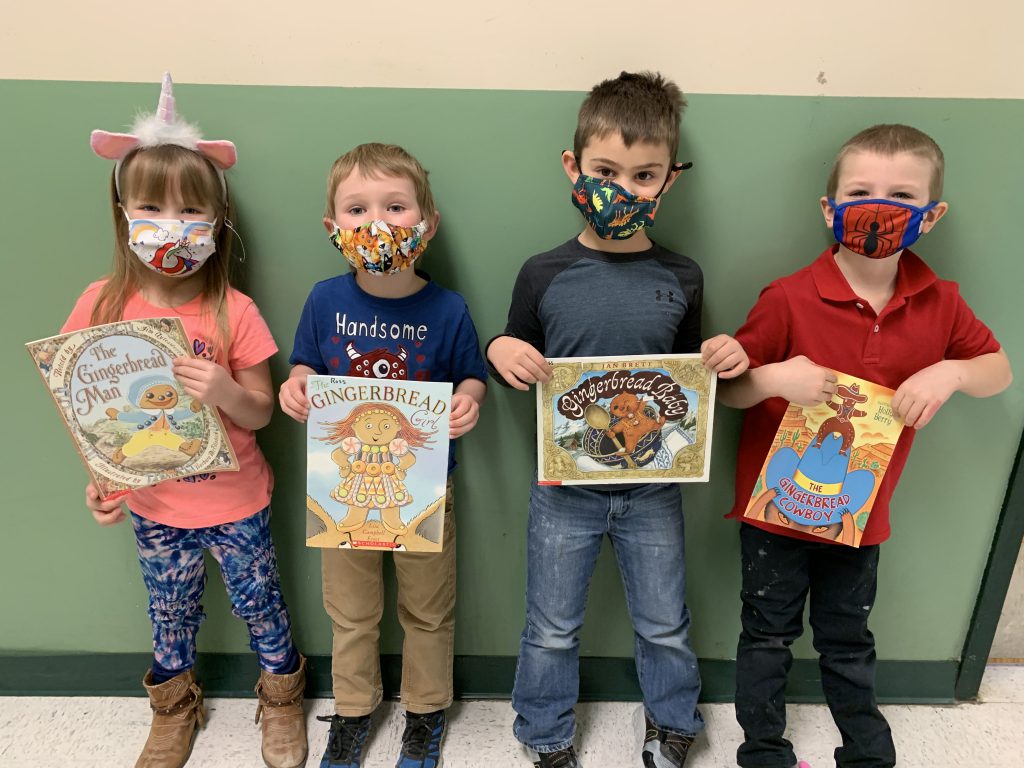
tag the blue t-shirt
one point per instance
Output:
(428, 336)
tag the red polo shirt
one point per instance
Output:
(814, 312)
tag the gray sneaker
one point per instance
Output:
(663, 749)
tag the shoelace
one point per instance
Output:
(343, 742)
(562, 759)
(418, 734)
(677, 745)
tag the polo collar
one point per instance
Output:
(912, 276)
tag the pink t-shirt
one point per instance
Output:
(221, 497)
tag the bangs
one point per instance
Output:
(148, 174)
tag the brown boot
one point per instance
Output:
(177, 706)
(284, 722)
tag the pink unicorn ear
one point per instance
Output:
(221, 153)
(112, 146)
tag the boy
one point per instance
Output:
(873, 310)
(369, 187)
(609, 291)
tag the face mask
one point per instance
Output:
(171, 246)
(378, 248)
(877, 228)
(614, 213)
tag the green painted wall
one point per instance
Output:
(747, 212)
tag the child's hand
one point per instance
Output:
(725, 356)
(103, 512)
(519, 364)
(800, 381)
(464, 416)
(292, 397)
(919, 398)
(207, 382)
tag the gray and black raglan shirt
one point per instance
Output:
(573, 301)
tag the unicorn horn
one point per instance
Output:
(165, 107)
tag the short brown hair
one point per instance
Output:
(892, 139)
(376, 160)
(643, 107)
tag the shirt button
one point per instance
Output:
(859, 305)
(876, 329)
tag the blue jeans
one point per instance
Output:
(175, 576)
(566, 528)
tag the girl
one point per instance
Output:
(171, 256)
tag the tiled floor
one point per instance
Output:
(106, 732)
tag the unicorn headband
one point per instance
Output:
(162, 127)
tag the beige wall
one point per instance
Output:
(913, 48)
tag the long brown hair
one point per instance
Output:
(339, 430)
(147, 173)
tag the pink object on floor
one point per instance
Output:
(804, 764)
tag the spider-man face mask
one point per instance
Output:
(877, 228)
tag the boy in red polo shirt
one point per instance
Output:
(872, 309)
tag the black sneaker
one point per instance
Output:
(563, 758)
(663, 749)
(421, 740)
(345, 742)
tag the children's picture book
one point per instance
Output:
(130, 420)
(625, 420)
(376, 463)
(823, 471)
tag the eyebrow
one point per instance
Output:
(607, 161)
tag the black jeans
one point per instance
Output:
(778, 573)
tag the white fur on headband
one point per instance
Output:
(152, 131)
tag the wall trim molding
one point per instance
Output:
(233, 675)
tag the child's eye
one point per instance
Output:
(858, 193)
(903, 195)
(605, 173)
(356, 210)
(191, 211)
(645, 176)
(396, 208)
(147, 207)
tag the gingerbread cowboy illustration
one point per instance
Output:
(845, 411)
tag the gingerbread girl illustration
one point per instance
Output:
(375, 451)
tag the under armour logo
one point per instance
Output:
(664, 296)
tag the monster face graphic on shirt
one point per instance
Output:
(377, 364)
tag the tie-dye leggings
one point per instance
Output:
(173, 571)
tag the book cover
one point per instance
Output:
(376, 463)
(130, 420)
(826, 463)
(635, 419)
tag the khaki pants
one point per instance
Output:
(353, 588)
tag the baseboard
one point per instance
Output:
(476, 677)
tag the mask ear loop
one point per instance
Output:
(676, 168)
(229, 225)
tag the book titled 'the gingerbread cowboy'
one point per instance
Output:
(826, 463)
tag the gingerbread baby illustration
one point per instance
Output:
(633, 423)
(375, 451)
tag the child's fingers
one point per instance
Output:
(513, 379)
(108, 518)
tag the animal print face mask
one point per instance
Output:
(378, 248)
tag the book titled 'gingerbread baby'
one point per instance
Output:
(826, 463)
(376, 463)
